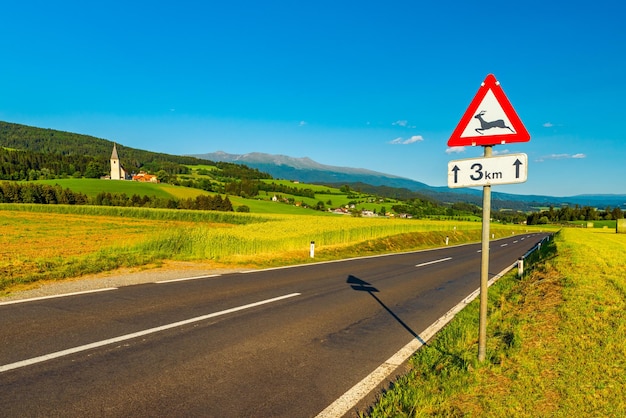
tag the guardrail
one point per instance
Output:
(537, 247)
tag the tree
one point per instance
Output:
(94, 170)
(617, 213)
(163, 176)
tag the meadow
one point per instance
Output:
(331, 197)
(262, 204)
(53, 242)
(555, 342)
(92, 187)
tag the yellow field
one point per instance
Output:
(67, 241)
(32, 241)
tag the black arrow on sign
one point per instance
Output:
(517, 163)
(456, 170)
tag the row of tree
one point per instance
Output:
(576, 213)
(40, 193)
(283, 188)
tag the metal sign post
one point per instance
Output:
(484, 267)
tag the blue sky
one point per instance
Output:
(377, 85)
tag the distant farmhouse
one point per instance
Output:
(149, 178)
(119, 173)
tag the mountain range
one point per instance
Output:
(308, 171)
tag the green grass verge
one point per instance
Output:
(555, 343)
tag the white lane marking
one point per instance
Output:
(184, 279)
(504, 245)
(433, 262)
(10, 302)
(515, 242)
(356, 258)
(351, 398)
(97, 344)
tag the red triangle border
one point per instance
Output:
(521, 134)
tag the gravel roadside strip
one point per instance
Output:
(118, 278)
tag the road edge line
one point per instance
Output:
(63, 295)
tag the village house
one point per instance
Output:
(145, 177)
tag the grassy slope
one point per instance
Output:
(91, 187)
(336, 197)
(555, 343)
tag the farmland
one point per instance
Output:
(52, 242)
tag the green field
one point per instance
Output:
(261, 204)
(326, 197)
(257, 205)
(92, 187)
(597, 224)
(326, 194)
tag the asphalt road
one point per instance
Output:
(281, 343)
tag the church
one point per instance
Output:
(117, 171)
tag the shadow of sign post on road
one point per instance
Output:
(363, 286)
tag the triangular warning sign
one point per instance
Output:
(489, 120)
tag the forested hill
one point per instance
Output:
(27, 152)
(50, 141)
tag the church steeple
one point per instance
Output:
(117, 172)
(114, 153)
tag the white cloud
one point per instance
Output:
(302, 123)
(504, 151)
(402, 123)
(411, 140)
(414, 138)
(557, 156)
(455, 150)
(561, 157)
(548, 125)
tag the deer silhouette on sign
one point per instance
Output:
(484, 125)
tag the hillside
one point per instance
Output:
(309, 171)
(50, 141)
(29, 153)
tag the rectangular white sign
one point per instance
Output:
(488, 171)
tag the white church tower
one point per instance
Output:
(117, 171)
